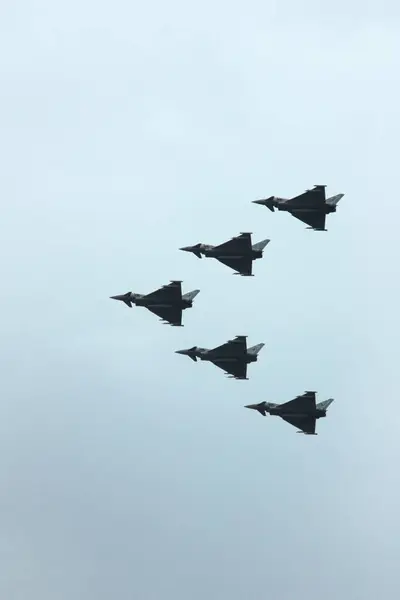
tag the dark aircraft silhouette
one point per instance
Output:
(302, 411)
(233, 356)
(167, 302)
(310, 207)
(238, 253)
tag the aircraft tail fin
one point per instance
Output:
(190, 296)
(259, 247)
(254, 350)
(324, 405)
(333, 200)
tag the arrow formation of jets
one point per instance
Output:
(239, 253)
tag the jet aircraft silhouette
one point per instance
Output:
(238, 253)
(302, 411)
(232, 357)
(311, 207)
(166, 302)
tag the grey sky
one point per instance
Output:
(127, 131)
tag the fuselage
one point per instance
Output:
(204, 354)
(212, 252)
(142, 300)
(276, 410)
(281, 204)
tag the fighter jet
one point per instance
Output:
(310, 207)
(167, 302)
(238, 253)
(233, 356)
(302, 411)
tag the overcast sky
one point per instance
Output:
(129, 130)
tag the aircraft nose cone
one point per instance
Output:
(190, 352)
(259, 407)
(196, 249)
(126, 298)
(268, 202)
